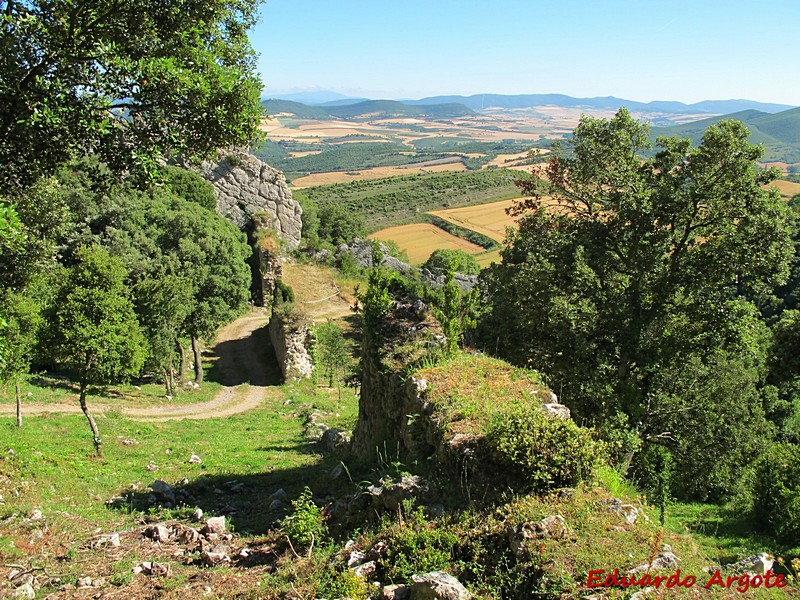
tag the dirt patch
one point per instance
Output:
(242, 364)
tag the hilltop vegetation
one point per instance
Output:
(397, 200)
(779, 132)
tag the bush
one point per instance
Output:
(777, 492)
(417, 547)
(456, 261)
(543, 452)
(191, 187)
(306, 525)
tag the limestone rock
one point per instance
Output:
(627, 511)
(395, 592)
(163, 491)
(158, 533)
(366, 570)
(215, 525)
(334, 440)
(25, 591)
(212, 559)
(245, 186)
(757, 563)
(438, 585)
(195, 460)
(551, 527)
(391, 496)
(558, 411)
(665, 560)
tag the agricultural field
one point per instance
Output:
(488, 219)
(788, 189)
(419, 240)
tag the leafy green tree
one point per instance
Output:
(132, 81)
(186, 265)
(331, 351)
(456, 261)
(19, 340)
(338, 225)
(639, 268)
(95, 332)
(455, 310)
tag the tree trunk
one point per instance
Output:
(166, 381)
(182, 355)
(95, 432)
(19, 405)
(172, 381)
(198, 361)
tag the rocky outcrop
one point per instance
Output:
(365, 255)
(246, 186)
(289, 336)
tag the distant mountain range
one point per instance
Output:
(484, 101)
(385, 108)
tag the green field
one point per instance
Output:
(399, 200)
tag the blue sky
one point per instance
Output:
(686, 50)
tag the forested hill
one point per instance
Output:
(388, 108)
(779, 132)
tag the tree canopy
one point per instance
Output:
(639, 267)
(131, 81)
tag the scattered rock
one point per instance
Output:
(280, 495)
(665, 560)
(395, 592)
(366, 570)
(163, 491)
(438, 585)
(391, 496)
(111, 540)
(198, 514)
(83, 583)
(356, 558)
(36, 515)
(153, 568)
(215, 525)
(159, 533)
(195, 460)
(128, 442)
(628, 511)
(152, 467)
(25, 591)
(336, 471)
(551, 527)
(334, 440)
(212, 559)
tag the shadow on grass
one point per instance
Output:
(246, 500)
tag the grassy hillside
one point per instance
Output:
(779, 133)
(397, 200)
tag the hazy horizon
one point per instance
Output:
(682, 51)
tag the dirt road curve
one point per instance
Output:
(242, 367)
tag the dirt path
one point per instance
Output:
(242, 365)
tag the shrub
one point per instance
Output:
(456, 261)
(306, 524)
(542, 451)
(418, 547)
(777, 491)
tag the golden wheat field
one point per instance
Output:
(419, 240)
(489, 219)
(787, 188)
